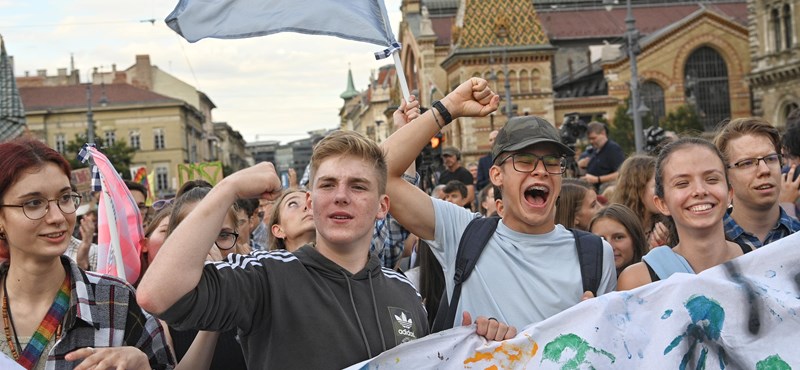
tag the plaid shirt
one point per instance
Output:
(389, 237)
(260, 237)
(388, 241)
(72, 252)
(103, 313)
(786, 225)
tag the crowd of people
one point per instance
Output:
(355, 259)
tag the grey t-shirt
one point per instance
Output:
(520, 279)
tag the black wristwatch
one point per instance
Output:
(443, 112)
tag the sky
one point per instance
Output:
(276, 87)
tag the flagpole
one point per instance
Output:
(401, 76)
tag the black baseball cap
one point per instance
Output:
(524, 131)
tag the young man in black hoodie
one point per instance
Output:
(328, 305)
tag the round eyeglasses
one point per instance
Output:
(37, 208)
(527, 162)
(226, 240)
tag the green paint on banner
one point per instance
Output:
(554, 350)
(666, 314)
(773, 362)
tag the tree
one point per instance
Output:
(683, 121)
(119, 154)
(622, 130)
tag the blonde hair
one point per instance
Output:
(341, 143)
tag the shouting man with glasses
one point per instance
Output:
(752, 148)
(529, 269)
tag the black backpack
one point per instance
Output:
(474, 239)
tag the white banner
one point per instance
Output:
(740, 315)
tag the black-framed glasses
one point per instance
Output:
(226, 240)
(772, 160)
(161, 203)
(37, 208)
(527, 162)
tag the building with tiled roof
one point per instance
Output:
(568, 56)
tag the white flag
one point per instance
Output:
(359, 20)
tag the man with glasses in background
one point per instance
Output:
(139, 193)
(752, 148)
(528, 160)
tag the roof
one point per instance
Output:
(74, 96)
(600, 23)
(482, 18)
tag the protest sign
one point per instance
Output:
(208, 171)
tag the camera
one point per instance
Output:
(653, 137)
(572, 129)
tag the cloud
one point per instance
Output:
(281, 85)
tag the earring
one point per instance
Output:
(2, 235)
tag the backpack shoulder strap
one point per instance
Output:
(590, 257)
(470, 247)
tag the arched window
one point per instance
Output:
(706, 82)
(775, 19)
(787, 25)
(535, 79)
(512, 79)
(788, 109)
(524, 81)
(653, 97)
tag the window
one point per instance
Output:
(162, 178)
(111, 138)
(158, 138)
(787, 25)
(61, 143)
(706, 82)
(775, 19)
(653, 97)
(135, 138)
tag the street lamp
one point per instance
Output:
(633, 48)
(502, 33)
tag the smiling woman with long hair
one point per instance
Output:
(50, 306)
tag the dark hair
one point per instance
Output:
(20, 155)
(248, 205)
(632, 224)
(191, 184)
(131, 185)
(791, 139)
(456, 186)
(569, 203)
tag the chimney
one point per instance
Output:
(589, 60)
(41, 72)
(62, 72)
(114, 67)
(569, 64)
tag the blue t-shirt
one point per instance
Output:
(520, 279)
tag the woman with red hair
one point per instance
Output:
(55, 314)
